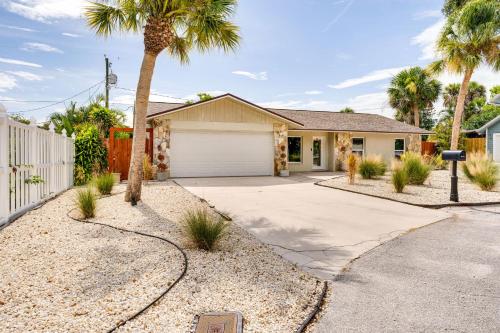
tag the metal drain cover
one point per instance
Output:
(219, 322)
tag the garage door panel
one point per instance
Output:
(217, 153)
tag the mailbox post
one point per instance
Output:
(454, 156)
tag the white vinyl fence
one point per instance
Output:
(35, 165)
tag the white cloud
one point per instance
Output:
(427, 14)
(7, 82)
(483, 75)
(426, 40)
(14, 27)
(261, 76)
(313, 92)
(68, 34)
(40, 47)
(26, 75)
(19, 62)
(45, 10)
(377, 75)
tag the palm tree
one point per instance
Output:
(450, 6)
(172, 25)
(469, 38)
(412, 91)
(475, 92)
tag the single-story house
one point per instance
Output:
(229, 136)
(491, 131)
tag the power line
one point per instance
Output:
(153, 94)
(61, 101)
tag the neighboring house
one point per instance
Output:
(228, 136)
(491, 131)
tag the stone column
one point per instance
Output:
(414, 143)
(280, 148)
(343, 148)
(161, 133)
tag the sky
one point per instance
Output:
(299, 54)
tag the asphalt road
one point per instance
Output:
(441, 278)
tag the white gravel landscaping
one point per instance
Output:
(59, 275)
(435, 191)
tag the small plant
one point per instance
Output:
(203, 229)
(371, 167)
(352, 167)
(415, 167)
(35, 180)
(399, 177)
(105, 183)
(437, 163)
(79, 175)
(147, 169)
(86, 202)
(481, 170)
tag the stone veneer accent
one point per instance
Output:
(161, 134)
(280, 148)
(343, 148)
(414, 143)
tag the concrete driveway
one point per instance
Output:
(320, 229)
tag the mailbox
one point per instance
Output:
(454, 155)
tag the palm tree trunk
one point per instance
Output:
(416, 116)
(459, 109)
(133, 193)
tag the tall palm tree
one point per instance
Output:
(411, 91)
(450, 6)
(172, 25)
(469, 38)
(450, 95)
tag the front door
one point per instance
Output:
(318, 150)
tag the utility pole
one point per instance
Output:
(107, 81)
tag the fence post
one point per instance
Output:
(52, 149)
(33, 159)
(65, 157)
(4, 166)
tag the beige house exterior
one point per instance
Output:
(229, 136)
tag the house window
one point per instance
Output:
(399, 148)
(294, 149)
(358, 146)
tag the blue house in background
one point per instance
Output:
(491, 131)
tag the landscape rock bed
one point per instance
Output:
(59, 275)
(434, 193)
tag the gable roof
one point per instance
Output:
(483, 128)
(174, 107)
(307, 119)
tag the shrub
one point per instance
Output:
(147, 169)
(86, 202)
(371, 167)
(203, 229)
(481, 170)
(352, 167)
(105, 183)
(90, 153)
(438, 163)
(415, 168)
(79, 176)
(399, 177)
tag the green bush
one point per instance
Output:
(86, 201)
(90, 153)
(371, 167)
(399, 177)
(105, 183)
(415, 167)
(203, 229)
(481, 170)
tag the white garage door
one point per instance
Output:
(221, 153)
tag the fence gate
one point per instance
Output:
(120, 150)
(35, 164)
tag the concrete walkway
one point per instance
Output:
(441, 278)
(318, 228)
